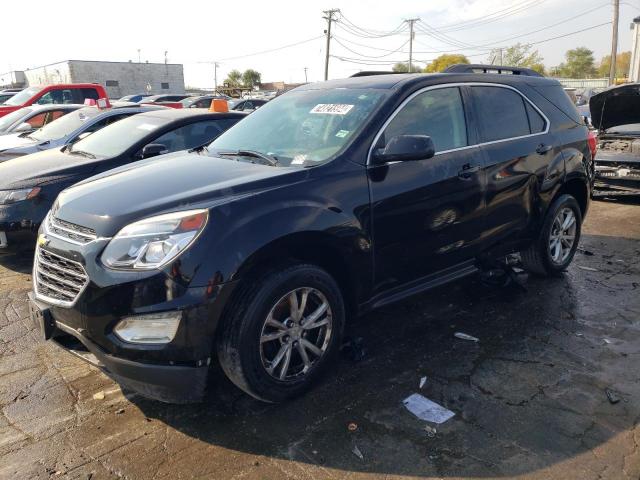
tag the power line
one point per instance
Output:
(368, 33)
(391, 52)
(272, 49)
(481, 21)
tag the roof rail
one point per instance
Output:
(371, 72)
(500, 69)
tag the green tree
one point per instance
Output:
(445, 60)
(579, 63)
(251, 77)
(234, 78)
(519, 55)
(623, 60)
(403, 67)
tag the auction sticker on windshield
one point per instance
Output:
(332, 108)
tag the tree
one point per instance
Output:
(251, 77)
(579, 64)
(519, 55)
(623, 60)
(403, 67)
(234, 78)
(445, 60)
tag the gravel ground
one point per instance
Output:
(529, 398)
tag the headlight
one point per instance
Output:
(154, 242)
(13, 196)
(150, 328)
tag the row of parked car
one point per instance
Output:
(172, 238)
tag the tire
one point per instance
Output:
(248, 346)
(539, 258)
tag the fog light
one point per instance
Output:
(151, 328)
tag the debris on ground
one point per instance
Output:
(98, 396)
(423, 381)
(352, 426)
(431, 432)
(356, 451)
(588, 253)
(588, 269)
(612, 396)
(426, 410)
(606, 340)
(504, 274)
(464, 336)
(353, 349)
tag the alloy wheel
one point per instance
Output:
(563, 235)
(296, 334)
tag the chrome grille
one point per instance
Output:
(58, 280)
(70, 231)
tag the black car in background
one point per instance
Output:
(616, 115)
(202, 101)
(249, 105)
(30, 184)
(329, 201)
(134, 98)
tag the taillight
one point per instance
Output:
(592, 140)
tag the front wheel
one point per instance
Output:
(281, 332)
(557, 242)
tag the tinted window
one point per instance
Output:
(37, 120)
(556, 95)
(194, 135)
(536, 122)
(437, 113)
(89, 93)
(57, 96)
(501, 113)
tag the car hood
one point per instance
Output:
(40, 168)
(180, 181)
(616, 106)
(14, 140)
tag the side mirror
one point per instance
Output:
(402, 148)
(23, 127)
(153, 150)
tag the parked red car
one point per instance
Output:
(60, 93)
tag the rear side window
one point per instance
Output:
(437, 113)
(501, 113)
(89, 93)
(536, 122)
(559, 97)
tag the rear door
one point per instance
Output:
(517, 149)
(427, 214)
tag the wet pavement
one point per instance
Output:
(529, 398)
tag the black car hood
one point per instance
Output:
(616, 106)
(43, 167)
(178, 181)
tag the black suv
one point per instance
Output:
(329, 201)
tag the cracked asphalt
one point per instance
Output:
(529, 398)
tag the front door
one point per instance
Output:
(427, 214)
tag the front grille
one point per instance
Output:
(57, 279)
(70, 231)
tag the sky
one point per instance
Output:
(369, 35)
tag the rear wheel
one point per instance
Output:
(555, 247)
(281, 332)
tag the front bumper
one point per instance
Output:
(19, 225)
(617, 169)
(174, 372)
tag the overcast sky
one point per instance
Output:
(197, 31)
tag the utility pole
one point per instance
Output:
(215, 77)
(329, 18)
(305, 75)
(138, 55)
(614, 42)
(411, 21)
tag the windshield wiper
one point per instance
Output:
(82, 153)
(273, 161)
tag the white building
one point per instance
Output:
(119, 78)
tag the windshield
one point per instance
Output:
(13, 117)
(302, 128)
(116, 138)
(64, 125)
(24, 95)
(188, 101)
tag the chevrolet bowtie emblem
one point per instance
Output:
(42, 240)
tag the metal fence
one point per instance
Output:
(584, 82)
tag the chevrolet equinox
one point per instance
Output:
(331, 200)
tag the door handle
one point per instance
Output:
(467, 171)
(542, 149)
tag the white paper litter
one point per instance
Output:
(356, 451)
(588, 269)
(426, 410)
(423, 380)
(464, 336)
